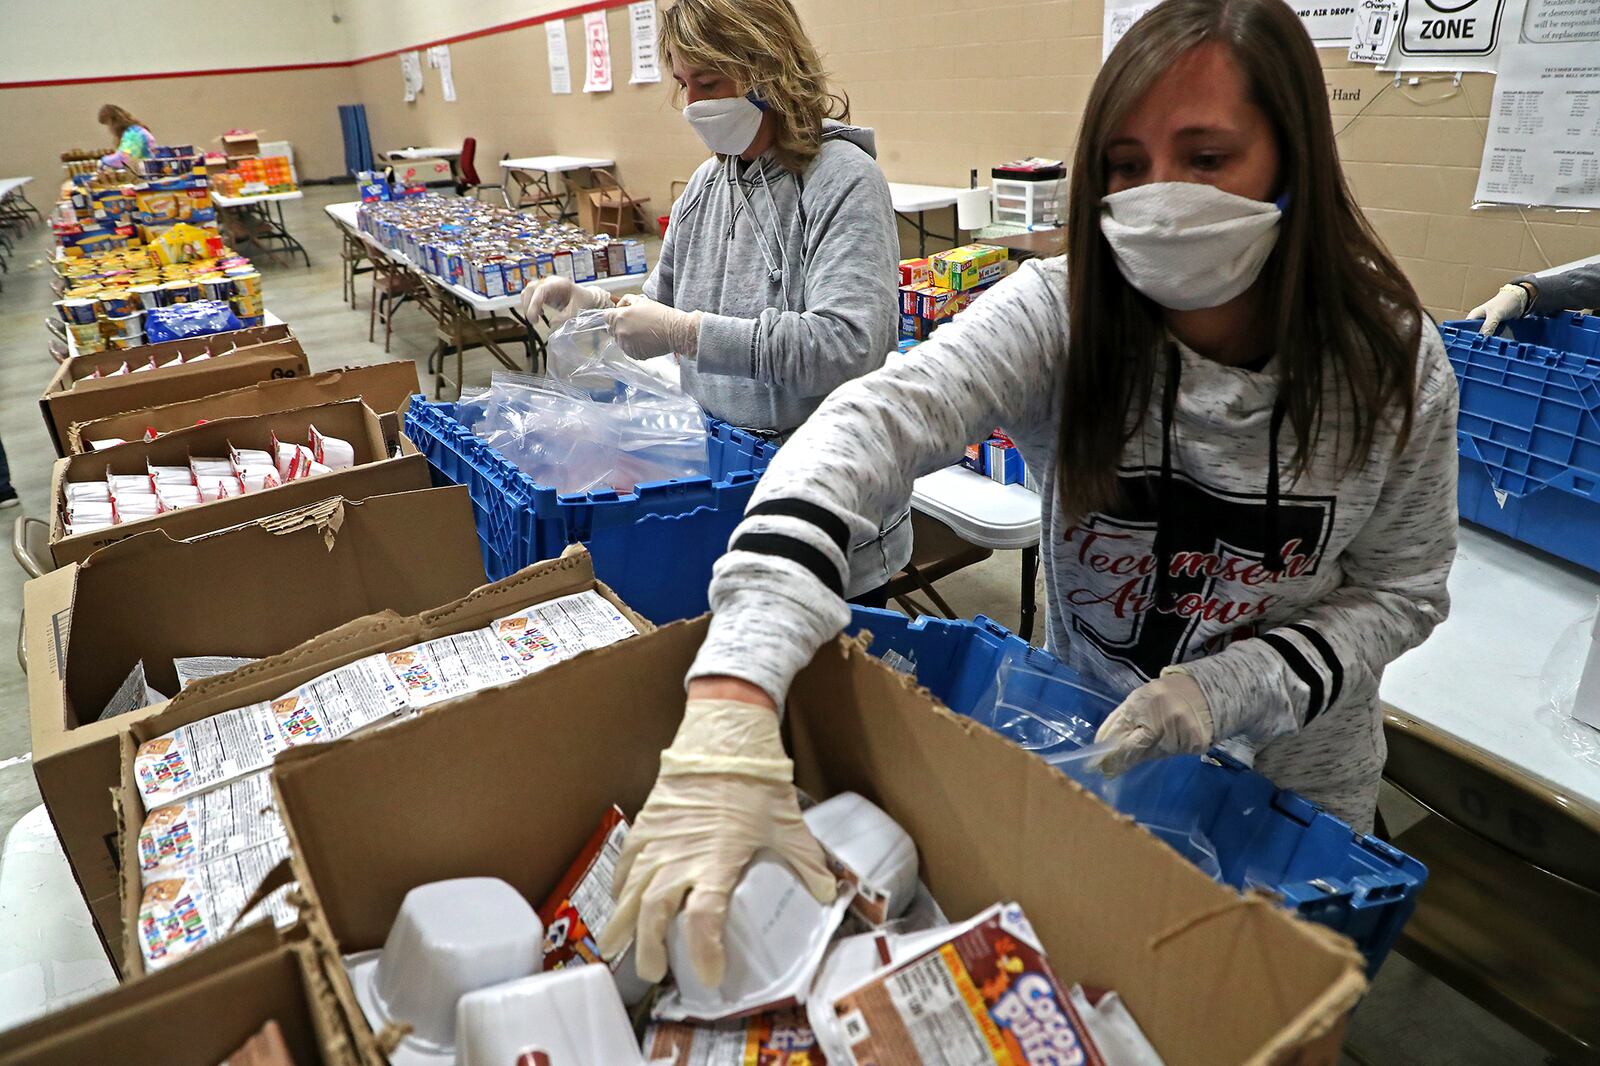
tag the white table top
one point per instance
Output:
(345, 215)
(424, 153)
(982, 511)
(267, 319)
(1478, 677)
(263, 198)
(911, 198)
(554, 164)
(11, 185)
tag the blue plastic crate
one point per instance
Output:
(1264, 836)
(1529, 433)
(654, 545)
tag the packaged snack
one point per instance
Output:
(577, 911)
(332, 452)
(868, 850)
(781, 1038)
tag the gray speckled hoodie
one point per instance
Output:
(796, 275)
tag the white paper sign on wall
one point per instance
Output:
(555, 37)
(597, 53)
(642, 27)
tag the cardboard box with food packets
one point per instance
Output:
(1191, 957)
(198, 1013)
(373, 472)
(383, 387)
(271, 677)
(240, 358)
(332, 560)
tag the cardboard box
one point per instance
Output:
(1211, 976)
(257, 354)
(967, 267)
(277, 674)
(591, 203)
(373, 474)
(197, 1013)
(934, 304)
(241, 143)
(383, 387)
(278, 582)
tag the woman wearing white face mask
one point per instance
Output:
(777, 279)
(1247, 424)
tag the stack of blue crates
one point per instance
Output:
(1529, 434)
(654, 545)
(1265, 837)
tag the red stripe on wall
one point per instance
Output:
(489, 31)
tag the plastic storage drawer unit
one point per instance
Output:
(654, 545)
(1265, 837)
(1529, 433)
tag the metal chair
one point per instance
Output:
(467, 181)
(30, 547)
(615, 211)
(1510, 916)
(937, 551)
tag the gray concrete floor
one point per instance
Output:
(1408, 1019)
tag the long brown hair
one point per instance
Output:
(118, 119)
(1342, 312)
(761, 45)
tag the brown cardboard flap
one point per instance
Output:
(196, 1012)
(383, 387)
(1212, 977)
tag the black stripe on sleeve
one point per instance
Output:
(806, 511)
(797, 551)
(1329, 659)
(1303, 670)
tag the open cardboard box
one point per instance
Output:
(374, 472)
(196, 1013)
(241, 357)
(384, 387)
(277, 674)
(513, 780)
(250, 591)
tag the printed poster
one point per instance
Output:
(597, 53)
(439, 59)
(642, 27)
(1372, 34)
(411, 72)
(1455, 35)
(1327, 21)
(1543, 142)
(555, 38)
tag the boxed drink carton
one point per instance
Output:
(1213, 976)
(372, 474)
(967, 267)
(273, 583)
(419, 641)
(383, 387)
(198, 1013)
(239, 358)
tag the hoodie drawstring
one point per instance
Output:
(1273, 561)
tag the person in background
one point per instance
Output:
(1245, 424)
(133, 139)
(1564, 288)
(777, 280)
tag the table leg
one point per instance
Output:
(922, 234)
(1030, 573)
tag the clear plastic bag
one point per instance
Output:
(1559, 685)
(189, 320)
(1056, 719)
(597, 420)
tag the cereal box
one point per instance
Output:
(967, 267)
(576, 912)
(781, 1038)
(986, 995)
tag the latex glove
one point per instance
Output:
(560, 298)
(726, 789)
(1167, 716)
(1510, 302)
(644, 329)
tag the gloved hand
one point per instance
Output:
(1167, 716)
(726, 789)
(644, 329)
(1510, 302)
(561, 298)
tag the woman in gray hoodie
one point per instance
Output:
(1246, 424)
(777, 278)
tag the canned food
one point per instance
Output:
(245, 282)
(78, 310)
(179, 292)
(115, 303)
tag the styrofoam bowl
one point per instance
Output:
(573, 1015)
(871, 844)
(450, 938)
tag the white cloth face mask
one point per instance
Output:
(1188, 246)
(727, 126)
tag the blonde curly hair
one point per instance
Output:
(761, 45)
